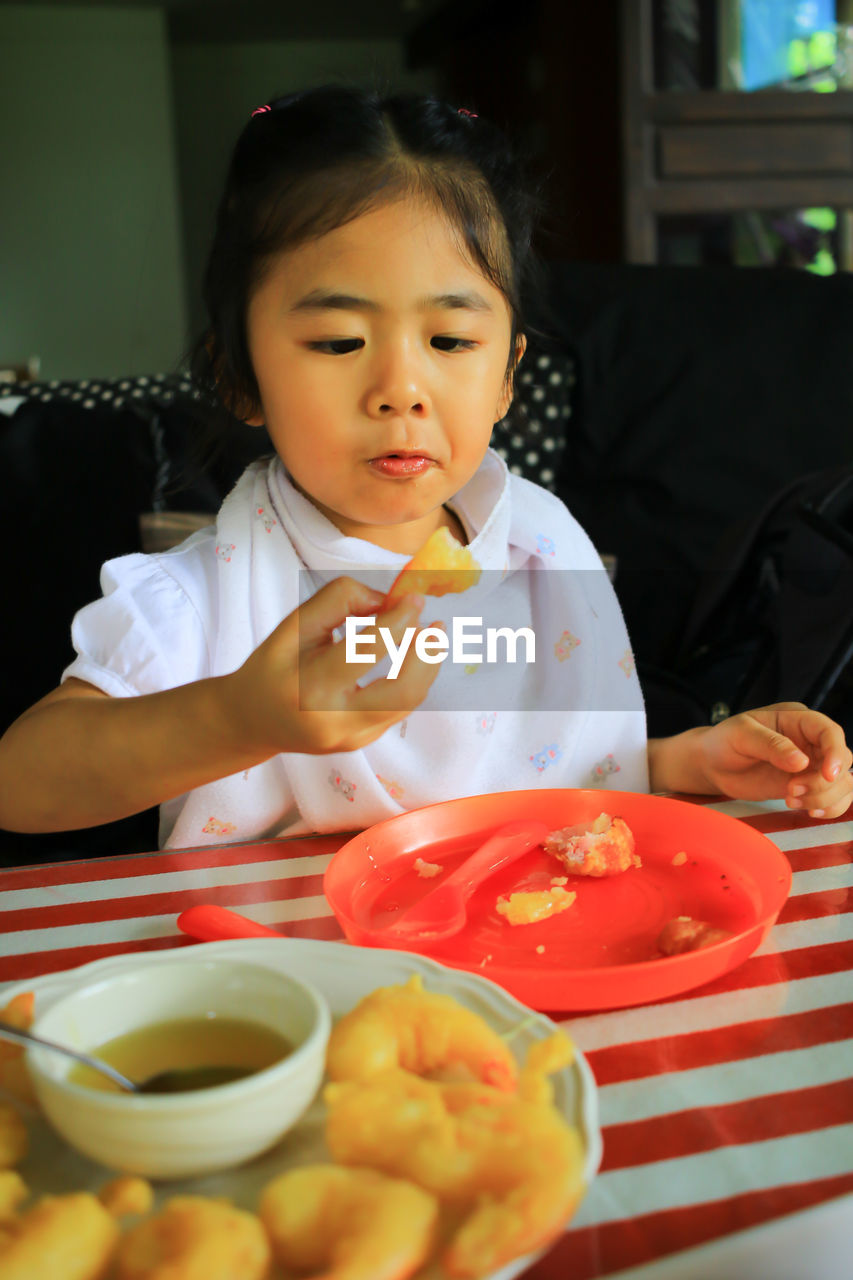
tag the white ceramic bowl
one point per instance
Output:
(182, 1135)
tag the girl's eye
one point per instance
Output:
(337, 346)
(441, 342)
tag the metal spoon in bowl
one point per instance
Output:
(180, 1080)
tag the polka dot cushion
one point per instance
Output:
(531, 439)
(90, 392)
(533, 445)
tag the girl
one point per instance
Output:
(363, 295)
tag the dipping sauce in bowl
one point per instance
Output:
(173, 1011)
(185, 1044)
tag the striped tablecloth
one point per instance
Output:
(723, 1109)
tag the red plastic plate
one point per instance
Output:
(602, 952)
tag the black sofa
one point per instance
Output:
(664, 405)
(701, 392)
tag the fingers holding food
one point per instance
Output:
(441, 566)
(193, 1238)
(421, 1031)
(348, 1223)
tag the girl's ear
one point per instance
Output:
(508, 390)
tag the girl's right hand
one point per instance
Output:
(297, 692)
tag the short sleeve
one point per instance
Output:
(151, 628)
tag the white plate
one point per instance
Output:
(343, 974)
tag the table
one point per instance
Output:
(723, 1109)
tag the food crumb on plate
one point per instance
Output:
(603, 847)
(683, 933)
(427, 869)
(536, 904)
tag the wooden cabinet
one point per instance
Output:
(713, 152)
(574, 80)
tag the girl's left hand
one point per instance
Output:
(784, 750)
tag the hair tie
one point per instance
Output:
(259, 111)
(472, 115)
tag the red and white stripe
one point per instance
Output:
(732, 1105)
(56, 917)
(721, 1109)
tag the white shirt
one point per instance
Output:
(572, 718)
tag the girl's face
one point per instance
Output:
(381, 358)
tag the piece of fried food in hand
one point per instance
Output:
(68, 1237)
(14, 1138)
(14, 1077)
(511, 1161)
(348, 1224)
(422, 1031)
(441, 566)
(193, 1238)
(604, 847)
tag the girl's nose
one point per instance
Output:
(397, 389)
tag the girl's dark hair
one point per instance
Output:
(318, 159)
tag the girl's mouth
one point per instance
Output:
(401, 465)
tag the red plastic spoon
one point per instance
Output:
(442, 912)
(209, 923)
